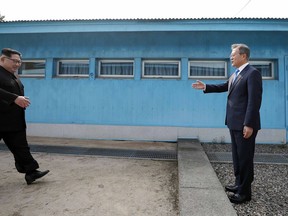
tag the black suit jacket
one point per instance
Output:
(12, 116)
(244, 99)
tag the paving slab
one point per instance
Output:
(90, 185)
(200, 192)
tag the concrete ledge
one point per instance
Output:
(200, 192)
(145, 133)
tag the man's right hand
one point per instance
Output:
(199, 85)
(22, 101)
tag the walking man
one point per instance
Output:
(12, 115)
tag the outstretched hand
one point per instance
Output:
(199, 85)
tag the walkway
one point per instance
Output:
(200, 192)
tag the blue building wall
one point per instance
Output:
(141, 101)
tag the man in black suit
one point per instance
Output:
(242, 118)
(12, 115)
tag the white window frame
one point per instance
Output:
(208, 61)
(115, 61)
(80, 61)
(264, 62)
(177, 62)
(35, 74)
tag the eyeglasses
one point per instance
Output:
(15, 61)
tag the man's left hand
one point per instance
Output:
(247, 132)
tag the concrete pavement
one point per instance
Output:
(200, 192)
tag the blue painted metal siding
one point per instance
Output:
(139, 101)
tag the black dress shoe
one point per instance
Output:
(238, 198)
(31, 177)
(231, 188)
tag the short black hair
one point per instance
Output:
(8, 52)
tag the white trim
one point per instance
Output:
(84, 61)
(100, 61)
(159, 61)
(207, 61)
(148, 133)
(264, 62)
(33, 61)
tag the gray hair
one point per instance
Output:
(243, 49)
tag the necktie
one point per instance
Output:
(236, 74)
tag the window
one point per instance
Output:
(161, 68)
(204, 69)
(32, 68)
(265, 67)
(73, 68)
(116, 68)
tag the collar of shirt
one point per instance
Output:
(242, 67)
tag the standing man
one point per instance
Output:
(12, 115)
(242, 118)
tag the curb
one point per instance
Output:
(200, 191)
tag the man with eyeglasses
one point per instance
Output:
(12, 115)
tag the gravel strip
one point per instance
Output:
(270, 186)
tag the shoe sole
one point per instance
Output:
(231, 190)
(30, 180)
(240, 202)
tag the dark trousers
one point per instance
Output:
(17, 144)
(243, 160)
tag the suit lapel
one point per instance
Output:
(238, 79)
(230, 82)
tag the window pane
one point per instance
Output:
(115, 68)
(207, 68)
(266, 68)
(32, 68)
(161, 69)
(73, 67)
